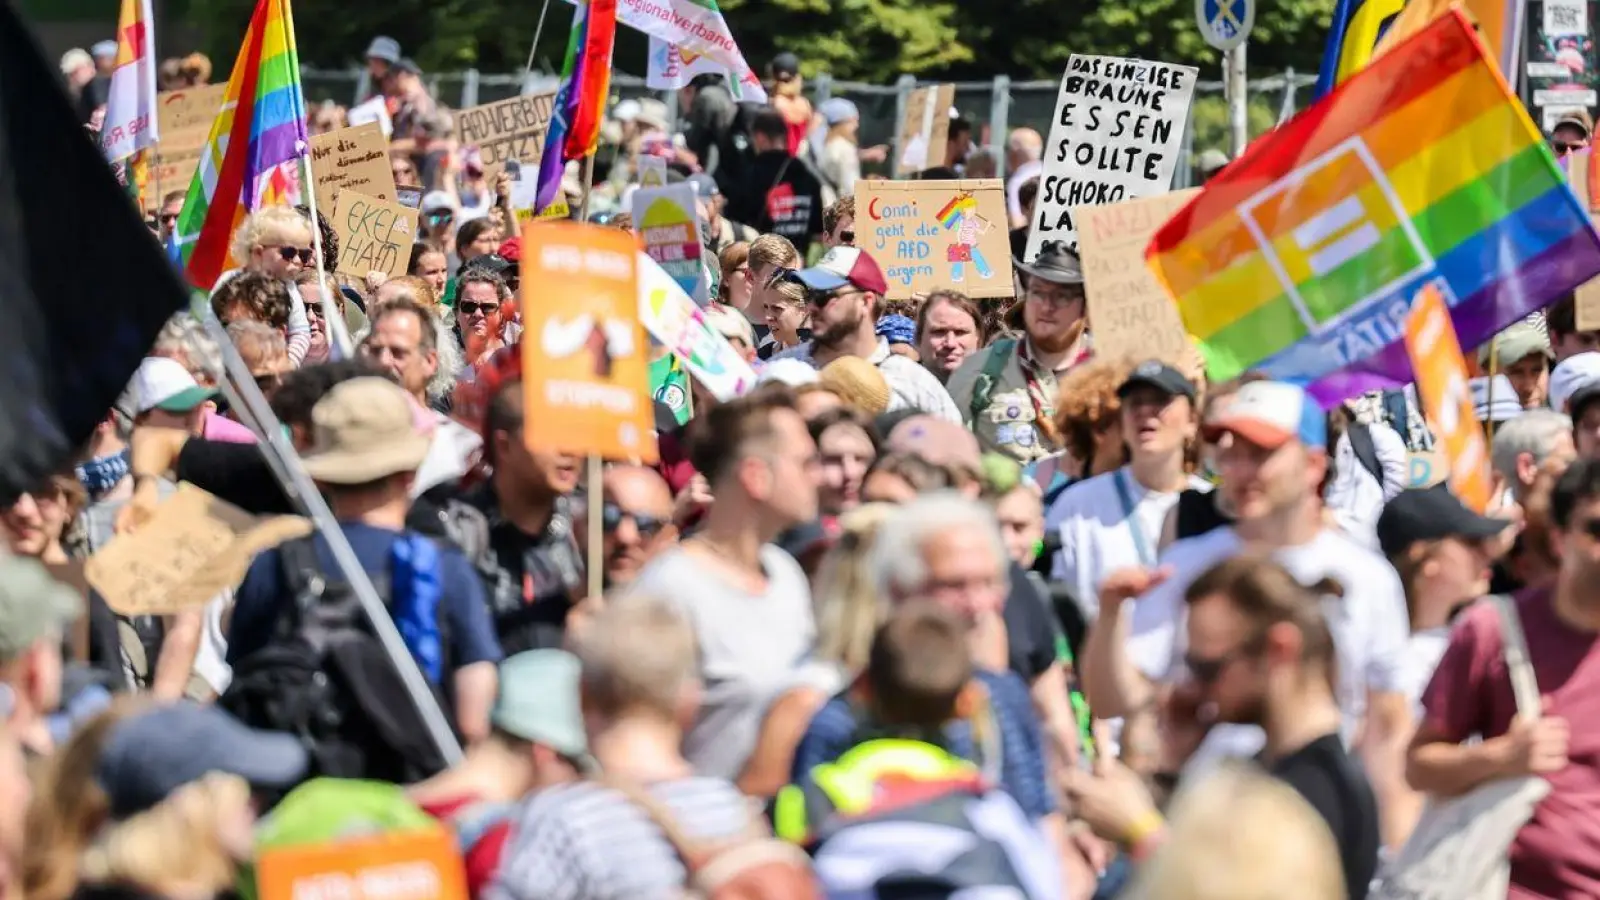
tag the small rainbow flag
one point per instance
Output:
(960, 204)
(262, 124)
(580, 104)
(1302, 258)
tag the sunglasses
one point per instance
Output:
(847, 237)
(168, 218)
(289, 254)
(1206, 671)
(469, 307)
(612, 516)
(780, 275)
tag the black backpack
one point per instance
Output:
(325, 678)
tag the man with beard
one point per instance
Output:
(844, 292)
(1007, 395)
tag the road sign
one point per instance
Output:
(1225, 24)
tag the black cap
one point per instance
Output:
(492, 263)
(1157, 374)
(785, 66)
(1430, 514)
(1580, 399)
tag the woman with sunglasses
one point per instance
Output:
(276, 241)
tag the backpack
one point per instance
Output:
(1365, 449)
(752, 866)
(325, 678)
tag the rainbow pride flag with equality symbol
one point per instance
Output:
(1301, 259)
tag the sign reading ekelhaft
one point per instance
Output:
(1116, 135)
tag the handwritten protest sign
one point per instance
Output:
(925, 129)
(170, 170)
(669, 227)
(1130, 312)
(679, 324)
(1442, 386)
(409, 865)
(194, 547)
(374, 235)
(507, 130)
(585, 382)
(186, 116)
(937, 234)
(356, 158)
(525, 196)
(1115, 136)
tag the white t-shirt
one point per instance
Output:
(1098, 531)
(1424, 649)
(1354, 496)
(1369, 623)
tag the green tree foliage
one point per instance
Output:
(863, 40)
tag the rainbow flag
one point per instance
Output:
(1301, 259)
(130, 123)
(950, 215)
(262, 124)
(580, 104)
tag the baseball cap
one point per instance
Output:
(33, 604)
(384, 48)
(434, 201)
(841, 267)
(1430, 514)
(792, 372)
(785, 66)
(837, 109)
(538, 701)
(1157, 374)
(1516, 343)
(164, 384)
(705, 187)
(1502, 407)
(1270, 414)
(103, 49)
(1576, 372)
(155, 752)
(510, 249)
(1577, 118)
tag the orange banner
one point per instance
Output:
(417, 865)
(1441, 373)
(1499, 24)
(585, 375)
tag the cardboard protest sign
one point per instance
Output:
(356, 158)
(585, 375)
(937, 234)
(1425, 468)
(1130, 313)
(1586, 304)
(1116, 134)
(680, 325)
(506, 130)
(170, 170)
(667, 223)
(1441, 372)
(184, 113)
(194, 547)
(408, 865)
(925, 129)
(374, 235)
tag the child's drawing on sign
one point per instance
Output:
(960, 215)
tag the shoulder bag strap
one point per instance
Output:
(1141, 542)
(1365, 449)
(994, 366)
(690, 852)
(1524, 686)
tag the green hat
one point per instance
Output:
(538, 701)
(33, 605)
(1517, 343)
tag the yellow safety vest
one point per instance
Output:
(848, 786)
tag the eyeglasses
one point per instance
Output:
(469, 307)
(289, 254)
(612, 516)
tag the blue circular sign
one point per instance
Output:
(1225, 24)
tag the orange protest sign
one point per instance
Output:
(585, 379)
(413, 865)
(1442, 386)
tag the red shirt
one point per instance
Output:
(1557, 854)
(480, 853)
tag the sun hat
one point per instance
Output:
(1055, 263)
(858, 383)
(363, 431)
(538, 701)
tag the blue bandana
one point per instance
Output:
(897, 329)
(98, 476)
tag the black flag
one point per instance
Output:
(84, 287)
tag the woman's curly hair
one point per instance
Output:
(1088, 403)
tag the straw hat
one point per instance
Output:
(858, 383)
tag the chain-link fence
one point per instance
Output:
(993, 107)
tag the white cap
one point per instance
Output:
(1505, 406)
(1571, 375)
(437, 200)
(164, 384)
(626, 111)
(793, 372)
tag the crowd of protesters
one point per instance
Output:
(949, 600)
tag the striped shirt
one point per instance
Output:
(585, 842)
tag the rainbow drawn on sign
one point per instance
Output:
(961, 216)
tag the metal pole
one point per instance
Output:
(537, 31)
(243, 394)
(1238, 96)
(999, 121)
(902, 97)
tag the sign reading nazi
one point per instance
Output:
(507, 130)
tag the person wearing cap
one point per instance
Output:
(787, 89)
(1571, 131)
(382, 54)
(1522, 353)
(845, 292)
(1443, 552)
(165, 395)
(365, 452)
(840, 155)
(536, 742)
(1472, 732)
(1113, 520)
(35, 613)
(1494, 401)
(776, 194)
(723, 231)
(1007, 393)
(901, 333)
(1272, 457)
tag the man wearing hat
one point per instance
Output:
(1007, 394)
(1571, 131)
(35, 611)
(844, 292)
(1522, 353)
(366, 449)
(165, 395)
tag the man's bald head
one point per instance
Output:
(638, 526)
(1024, 145)
(638, 488)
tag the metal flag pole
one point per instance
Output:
(537, 31)
(339, 344)
(242, 392)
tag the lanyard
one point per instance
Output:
(1141, 544)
